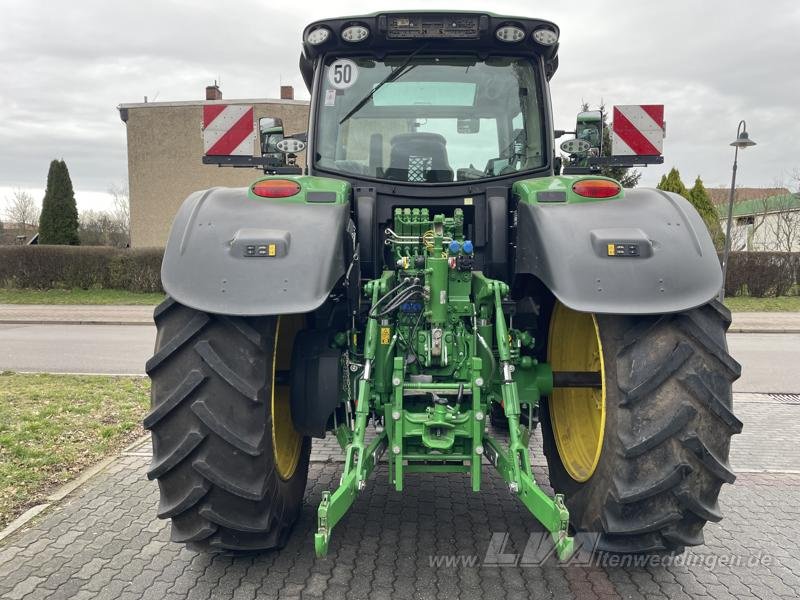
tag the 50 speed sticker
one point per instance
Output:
(342, 73)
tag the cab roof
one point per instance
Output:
(439, 31)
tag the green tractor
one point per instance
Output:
(430, 266)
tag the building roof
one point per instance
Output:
(721, 195)
(205, 102)
(772, 204)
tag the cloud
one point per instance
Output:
(64, 70)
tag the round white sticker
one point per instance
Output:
(342, 73)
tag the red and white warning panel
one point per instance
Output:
(638, 130)
(228, 130)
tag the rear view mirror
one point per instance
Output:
(495, 166)
(589, 127)
(277, 149)
(464, 125)
(270, 132)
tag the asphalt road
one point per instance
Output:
(769, 360)
(114, 349)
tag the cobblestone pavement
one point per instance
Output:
(104, 542)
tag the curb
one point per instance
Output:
(66, 489)
(54, 322)
(21, 520)
(762, 330)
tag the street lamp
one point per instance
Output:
(742, 141)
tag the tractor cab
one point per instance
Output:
(456, 99)
(429, 120)
(443, 109)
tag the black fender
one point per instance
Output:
(231, 254)
(662, 261)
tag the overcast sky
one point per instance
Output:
(65, 66)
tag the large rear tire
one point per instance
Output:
(661, 424)
(231, 470)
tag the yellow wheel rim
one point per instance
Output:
(286, 442)
(577, 415)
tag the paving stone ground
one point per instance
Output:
(104, 541)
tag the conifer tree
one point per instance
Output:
(58, 223)
(699, 198)
(671, 182)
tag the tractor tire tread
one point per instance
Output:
(193, 379)
(164, 462)
(253, 447)
(190, 528)
(649, 439)
(217, 364)
(668, 429)
(651, 488)
(658, 374)
(192, 328)
(210, 421)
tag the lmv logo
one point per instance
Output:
(539, 549)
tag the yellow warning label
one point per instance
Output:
(272, 250)
(386, 333)
(611, 250)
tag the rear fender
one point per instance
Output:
(232, 252)
(644, 251)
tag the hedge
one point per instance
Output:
(138, 270)
(47, 267)
(762, 274)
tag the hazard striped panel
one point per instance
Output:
(638, 130)
(228, 129)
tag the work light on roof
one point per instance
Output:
(545, 36)
(355, 33)
(317, 36)
(509, 33)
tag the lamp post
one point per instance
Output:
(742, 141)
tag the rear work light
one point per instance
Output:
(355, 33)
(318, 36)
(275, 188)
(596, 188)
(545, 36)
(509, 33)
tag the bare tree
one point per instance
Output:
(795, 178)
(772, 223)
(100, 228)
(783, 223)
(756, 221)
(22, 210)
(121, 209)
(744, 233)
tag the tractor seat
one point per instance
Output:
(419, 157)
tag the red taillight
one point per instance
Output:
(596, 188)
(275, 188)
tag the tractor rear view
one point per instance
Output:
(431, 266)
